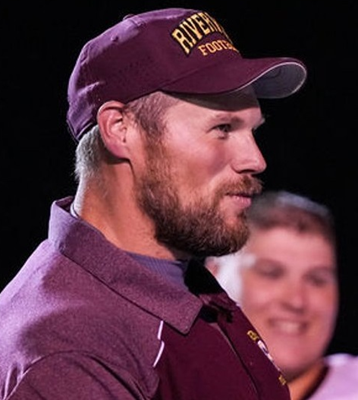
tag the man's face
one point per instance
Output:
(197, 184)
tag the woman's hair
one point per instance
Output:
(281, 208)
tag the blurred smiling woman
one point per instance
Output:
(285, 280)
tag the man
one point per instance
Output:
(116, 303)
(285, 280)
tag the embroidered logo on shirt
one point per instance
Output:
(255, 337)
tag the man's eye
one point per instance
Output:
(223, 129)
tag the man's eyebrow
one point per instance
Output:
(226, 116)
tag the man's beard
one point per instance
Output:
(197, 229)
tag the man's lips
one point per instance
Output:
(244, 201)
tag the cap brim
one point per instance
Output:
(272, 78)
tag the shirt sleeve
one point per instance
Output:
(73, 376)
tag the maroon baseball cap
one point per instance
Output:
(173, 50)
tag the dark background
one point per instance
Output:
(308, 140)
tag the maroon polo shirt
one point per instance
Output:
(84, 320)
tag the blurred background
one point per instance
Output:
(309, 139)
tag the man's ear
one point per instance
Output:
(113, 126)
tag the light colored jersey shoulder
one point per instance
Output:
(341, 380)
